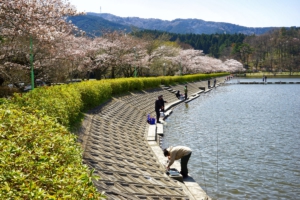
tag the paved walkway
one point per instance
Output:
(117, 144)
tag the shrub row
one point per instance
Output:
(171, 80)
(92, 93)
(63, 102)
(66, 102)
(124, 85)
(40, 158)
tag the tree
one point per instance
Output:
(194, 61)
(275, 51)
(41, 19)
(23, 20)
(242, 52)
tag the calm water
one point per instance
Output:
(245, 140)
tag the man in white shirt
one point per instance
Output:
(176, 153)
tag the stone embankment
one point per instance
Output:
(115, 140)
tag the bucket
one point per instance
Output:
(152, 121)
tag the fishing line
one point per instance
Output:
(217, 162)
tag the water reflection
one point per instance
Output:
(247, 133)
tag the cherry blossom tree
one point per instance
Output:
(234, 66)
(194, 61)
(159, 59)
(42, 21)
(115, 54)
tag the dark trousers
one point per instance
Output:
(157, 116)
(185, 96)
(184, 161)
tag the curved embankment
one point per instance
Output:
(114, 139)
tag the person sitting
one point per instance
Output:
(178, 94)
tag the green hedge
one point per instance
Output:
(62, 102)
(119, 86)
(171, 80)
(136, 84)
(151, 82)
(123, 85)
(40, 159)
(93, 93)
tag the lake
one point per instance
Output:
(245, 140)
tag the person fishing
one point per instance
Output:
(176, 153)
(185, 92)
(178, 94)
(158, 106)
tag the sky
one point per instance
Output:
(249, 13)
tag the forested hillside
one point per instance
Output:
(211, 44)
(275, 51)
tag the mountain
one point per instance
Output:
(182, 26)
(94, 25)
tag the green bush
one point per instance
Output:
(177, 79)
(124, 85)
(151, 82)
(135, 84)
(60, 102)
(40, 159)
(3, 100)
(93, 93)
(119, 86)
(195, 77)
(166, 80)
